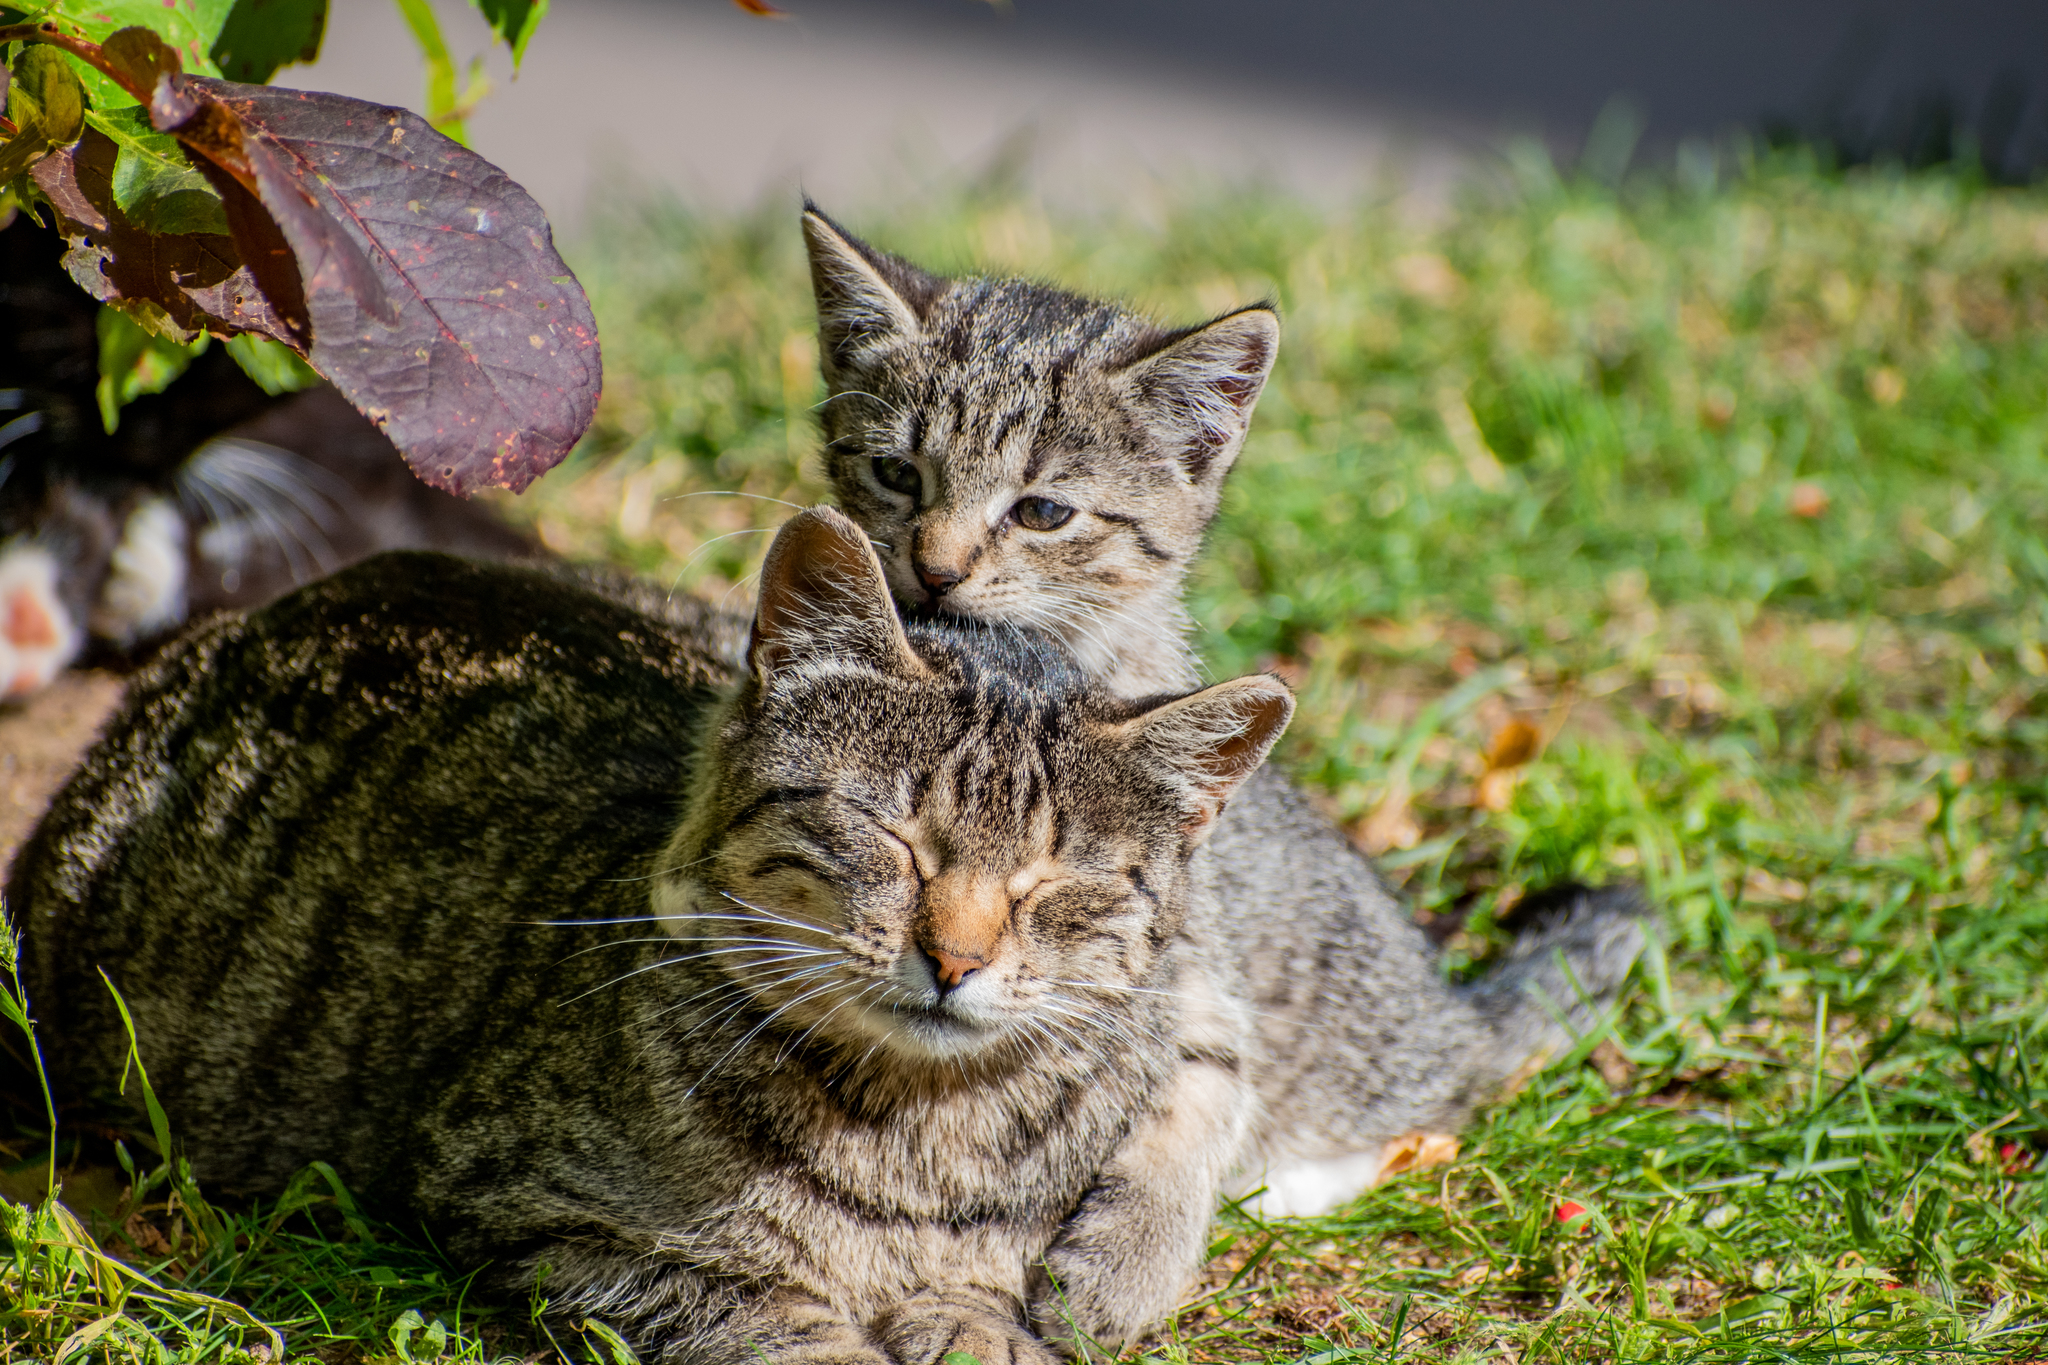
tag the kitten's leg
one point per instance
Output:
(926, 1328)
(1304, 1188)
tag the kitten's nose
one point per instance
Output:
(950, 969)
(937, 581)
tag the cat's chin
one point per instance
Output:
(929, 1033)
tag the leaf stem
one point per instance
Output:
(85, 50)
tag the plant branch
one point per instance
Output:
(83, 49)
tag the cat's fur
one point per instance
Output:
(960, 408)
(374, 870)
(995, 391)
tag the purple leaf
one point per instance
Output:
(437, 302)
(197, 279)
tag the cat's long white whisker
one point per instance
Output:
(784, 952)
(661, 871)
(772, 918)
(754, 1032)
(626, 976)
(1121, 990)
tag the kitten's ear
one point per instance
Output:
(823, 595)
(864, 295)
(1214, 740)
(1196, 392)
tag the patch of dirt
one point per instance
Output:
(41, 741)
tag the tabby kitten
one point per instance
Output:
(1024, 455)
(834, 1011)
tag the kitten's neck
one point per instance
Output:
(1139, 649)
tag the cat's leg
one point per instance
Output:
(144, 594)
(1123, 1259)
(928, 1327)
(786, 1327)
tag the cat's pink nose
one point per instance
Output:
(951, 968)
(937, 581)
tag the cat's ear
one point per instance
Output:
(1196, 391)
(1214, 739)
(864, 295)
(823, 597)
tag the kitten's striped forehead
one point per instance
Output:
(991, 371)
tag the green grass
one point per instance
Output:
(1733, 491)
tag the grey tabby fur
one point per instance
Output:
(850, 1006)
(1003, 393)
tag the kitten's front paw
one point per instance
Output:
(927, 1328)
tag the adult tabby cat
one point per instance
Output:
(1028, 457)
(897, 1066)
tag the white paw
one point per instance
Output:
(1305, 1189)
(145, 589)
(37, 635)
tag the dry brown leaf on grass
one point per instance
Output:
(1390, 825)
(1513, 745)
(1416, 1152)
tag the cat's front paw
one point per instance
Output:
(1089, 1302)
(927, 1328)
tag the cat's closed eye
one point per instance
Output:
(1041, 514)
(898, 475)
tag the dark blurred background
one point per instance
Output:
(856, 99)
(1912, 79)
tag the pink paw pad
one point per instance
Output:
(37, 635)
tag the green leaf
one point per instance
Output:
(155, 183)
(275, 367)
(188, 26)
(515, 21)
(444, 102)
(134, 361)
(46, 102)
(262, 35)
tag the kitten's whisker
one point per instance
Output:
(698, 553)
(734, 493)
(893, 409)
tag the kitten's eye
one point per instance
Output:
(1041, 514)
(898, 475)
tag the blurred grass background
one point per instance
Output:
(1687, 529)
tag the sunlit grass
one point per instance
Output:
(1731, 489)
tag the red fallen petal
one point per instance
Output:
(1567, 1210)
